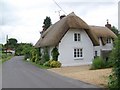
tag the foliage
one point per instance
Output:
(6, 57)
(19, 49)
(41, 62)
(26, 50)
(47, 63)
(55, 64)
(47, 23)
(111, 59)
(114, 29)
(39, 65)
(12, 41)
(45, 55)
(52, 64)
(55, 54)
(98, 63)
(35, 56)
(114, 78)
(11, 44)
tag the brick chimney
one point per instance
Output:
(108, 25)
(62, 16)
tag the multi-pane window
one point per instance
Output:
(76, 36)
(78, 52)
(108, 40)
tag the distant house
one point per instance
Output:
(9, 51)
(77, 42)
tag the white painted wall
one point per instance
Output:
(106, 47)
(67, 45)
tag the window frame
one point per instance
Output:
(109, 40)
(78, 53)
(77, 37)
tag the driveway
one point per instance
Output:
(17, 73)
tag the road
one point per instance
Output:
(17, 73)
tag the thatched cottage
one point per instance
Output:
(77, 42)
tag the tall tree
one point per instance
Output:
(47, 23)
(11, 43)
(114, 29)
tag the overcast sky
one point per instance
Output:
(23, 19)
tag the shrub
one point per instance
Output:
(52, 63)
(41, 62)
(55, 54)
(55, 64)
(33, 59)
(47, 63)
(37, 58)
(111, 59)
(26, 56)
(98, 63)
(114, 78)
(45, 56)
(4, 56)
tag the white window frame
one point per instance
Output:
(109, 40)
(77, 37)
(78, 53)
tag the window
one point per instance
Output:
(108, 40)
(95, 53)
(78, 52)
(76, 36)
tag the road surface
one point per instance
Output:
(20, 74)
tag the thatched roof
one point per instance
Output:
(103, 33)
(54, 34)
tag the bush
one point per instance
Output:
(26, 56)
(47, 63)
(4, 56)
(37, 58)
(98, 63)
(55, 54)
(55, 64)
(52, 63)
(33, 59)
(111, 59)
(114, 78)
(41, 62)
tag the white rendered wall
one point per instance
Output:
(67, 45)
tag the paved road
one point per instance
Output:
(20, 74)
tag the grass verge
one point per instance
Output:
(38, 65)
(6, 58)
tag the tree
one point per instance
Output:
(47, 23)
(114, 29)
(11, 43)
(115, 77)
(23, 49)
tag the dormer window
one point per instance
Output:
(76, 36)
(109, 40)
